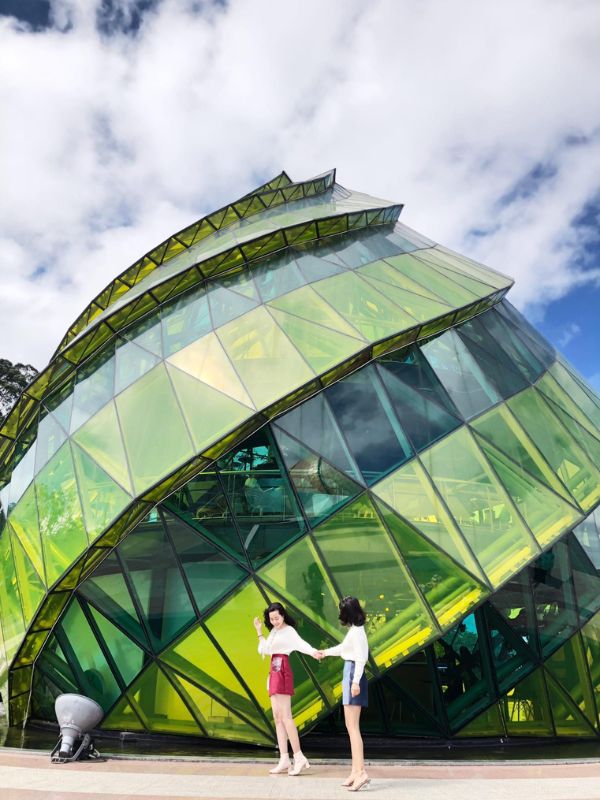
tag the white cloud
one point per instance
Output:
(568, 333)
(111, 143)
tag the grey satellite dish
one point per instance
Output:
(77, 715)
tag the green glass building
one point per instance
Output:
(298, 398)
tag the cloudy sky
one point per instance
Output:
(125, 120)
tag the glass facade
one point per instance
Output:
(295, 399)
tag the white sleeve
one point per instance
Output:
(299, 644)
(361, 653)
(336, 650)
(264, 645)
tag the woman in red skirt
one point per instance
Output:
(282, 640)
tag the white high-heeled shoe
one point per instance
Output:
(300, 763)
(284, 766)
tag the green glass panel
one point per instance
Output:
(308, 305)
(159, 706)
(267, 362)
(313, 424)
(321, 488)
(558, 396)
(31, 588)
(546, 514)
(158, 584)
(94, 388)
(61, 520)
(24, 521)
(427, 277)
(533, 341)
(476, 287)
(382, 272)
(60, 403)
(500, 332)
(21, 477)
(299, 576)
(277, 276)
(260, 496)
(184, 320)
(131, 363)
(218, 721)
(514, 603)
(501, 428)
(466, 685)
(209, 414)
(366, 309)
(558, 447)
(316, 268)
(197, 657)
(495, 364)
(584, 439)
(449, 590)
(321, 347)
(411, 697)
(554, 597)
(128, 657)
(147, 333)
(226, 304)
(410, 492)
(101, 438)
(576, 392)
(480, 506)
(586, 580)
(459, 263)
(420, 308)
(50, 610)
(122, 718)
(569, 667)
(238, 642)
(210, 574)
(365, 563)
(206, 360)
(470, 389)
(418, 397)
(102, 499)
(512, 659)
(86, 657)
(488, 723)
(10, 603)
(50, 436)
(155, 435)
(568, 719)
(590, 638)
(202, 504)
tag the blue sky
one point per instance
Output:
(129, 119)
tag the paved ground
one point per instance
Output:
(30, 776)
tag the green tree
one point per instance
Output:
(13, 379)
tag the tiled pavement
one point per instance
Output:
(30, 776)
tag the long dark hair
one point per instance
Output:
(289, 620)
(351, 612)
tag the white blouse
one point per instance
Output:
(354, 648)
(285, 641)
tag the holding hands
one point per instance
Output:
(319, 654)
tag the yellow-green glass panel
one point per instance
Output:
(590, 638)
(122, 718)
(10, 603)
(384, 272)
(460, 263)
(209, 414)
(501, 428)
(31, 588)
(578, 394)
(321, 347)
(155, 434)
(546, 514)
(480, 506)
(365, 563)
(565, 457)
(488, 723)
(298, 575)
(159, 706)
(568, 719)
(371, 312)
(102, 499)
(526, 709)
(449, 590)
(307, 304)
(239, 641)
(423, 274)
(206, 360)
(61, 521)
(419, 307)
(196, 657)
(568, 666)
(24, 520)
(549, 386)
(409, 492)
(267, 362)
(101, 438)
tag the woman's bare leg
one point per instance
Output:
(352, 719)
(283, 702)
(282, 737)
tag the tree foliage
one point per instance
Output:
(13, 379)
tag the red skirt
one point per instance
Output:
(281, 677)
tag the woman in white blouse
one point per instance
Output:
(355, 652)
(282, 640)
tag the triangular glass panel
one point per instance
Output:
(322, 488)
(547, 515)
(586, 580)
(448, 589)
(587, 534)
(61, 405)
(210, 574)
(424, 275)
(277, 276)
(581, 435)
(554, 597)
(207, 361)
(422, 309)
(24, 521)
(314, 268)
(102, 499)
(569, 667)
(131, 363)
(31, 589)
(511, 657)
(226, 305)
(107, 590)
(488, 723)
(147, 333)
(184, 320)
(209, 414)
(514, 603)
(128, 657)
(313, 424)
(160, 706)
(50, 436)
(322, 348)
(94, 388)
(100, 437)
(308, 305)
(122, 718)
(382, 272)
(568, 719)
(526, 708)
(410, 705)
(590, 638)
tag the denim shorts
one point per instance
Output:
(361, 699)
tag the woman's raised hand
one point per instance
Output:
(258, 625)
